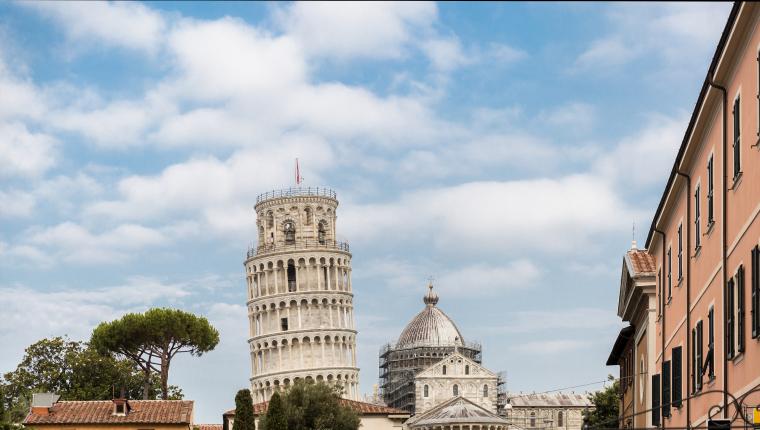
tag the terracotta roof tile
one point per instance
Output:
(361, 408)
(101, 412)
(642, 262)
(207, 426)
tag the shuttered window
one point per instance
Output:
(737, 138)
(700, 362)
(740, 309)
(676, 377)
(755, 312)
(694, 363)
(711, 343)
(680, 252)
(665, 389)
(670, 275)
(697, 220)
(710, 188)
(656, 400)
(730, 318)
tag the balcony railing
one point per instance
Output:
(297, 191)
(297, 246)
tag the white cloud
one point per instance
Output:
(571, 117)
(115, 125)
(547, 214)
(671, 32)
(480, 280)
(545, 347)
(644, 159)
(445, 54)
(16, 203)
(70, 242)
(23, 152)
(345, 30)
(123, 24)
(565, 319)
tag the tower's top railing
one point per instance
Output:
(295, 192)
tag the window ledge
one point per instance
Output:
(697, 251)
(738, 358)
(680, 282)
(737, 181)
(710, 225)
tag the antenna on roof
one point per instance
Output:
(633, 236)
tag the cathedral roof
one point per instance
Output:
(456, 411)
(431, 327)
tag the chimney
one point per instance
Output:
(121, 405)
(43, 402)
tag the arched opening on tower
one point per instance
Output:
(291, 277)
(321, 233)
(307, 216)
(270, 219)
(290, 233)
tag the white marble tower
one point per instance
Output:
(300, 300)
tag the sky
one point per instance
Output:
(505, 149)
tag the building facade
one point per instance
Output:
(300, 297)
(547, 411)
(455, 375)
(705, 243)
(636, 306)
(429, 337)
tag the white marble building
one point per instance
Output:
(455, 376)
(300, 299)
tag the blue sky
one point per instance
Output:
(504, 148)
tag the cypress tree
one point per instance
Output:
(275, 418)
(244, 419)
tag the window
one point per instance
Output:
(321, 232)
(710, 183)
(466, 369)
(676, 376)
(485, 390)
(670, 275)
(740, 309)
(532, 419)
(737, 138)
(444, 369)
(680, 251)
(666, 389)
(710, 344)
(455, 390)
(560, 421)
(730, 319)
(755, 305)
(120, 408)
(426, 391)
(291, 277)
(696, 357)
(697, 220)
(284, 324)
(656, 400)
(270, 219)
(307, 215)
(660, 293)
(290, 233)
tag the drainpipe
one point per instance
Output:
(688, 292)
(724, 234)
(662, 304)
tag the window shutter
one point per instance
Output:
(694, 362)
(665, 389)
(711, 342)
(755, 280)
(740, 309)
(656, 400)
(730, 318)
(676, 369)
(700, 364)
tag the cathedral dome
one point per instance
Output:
(431, 327)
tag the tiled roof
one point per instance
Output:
(101, 412)
(548, 399)
(207, 427)
(642, 262)
(361, 408)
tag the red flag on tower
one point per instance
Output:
(298, 174)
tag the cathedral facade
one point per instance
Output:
(300, 299)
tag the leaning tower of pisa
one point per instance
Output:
(300, 300)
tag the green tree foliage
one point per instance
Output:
(152, 339)
(244, 419)
(606, 406)
(71, 369)
(307, 406)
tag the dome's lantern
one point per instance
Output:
(431, 327)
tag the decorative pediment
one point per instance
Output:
(456, 365)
